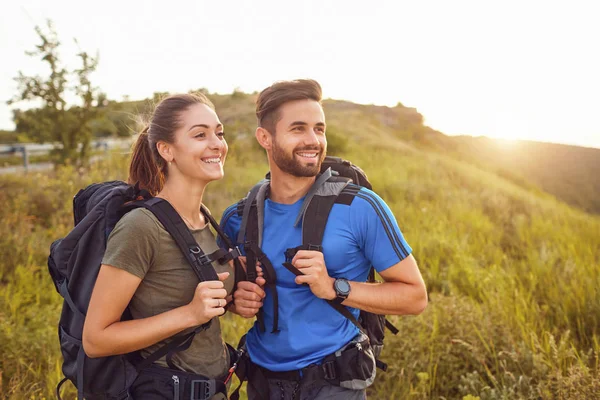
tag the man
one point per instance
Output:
(292, 130)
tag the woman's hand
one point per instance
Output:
(209, 300)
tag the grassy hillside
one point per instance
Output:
(570, 173)
(513, 274)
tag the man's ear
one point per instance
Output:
(264, 138)
(165, 151)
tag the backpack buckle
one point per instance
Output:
(200, 390)
(329, 370)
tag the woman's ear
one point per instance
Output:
(264, 138)
(165, 151)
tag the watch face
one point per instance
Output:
(342, 286)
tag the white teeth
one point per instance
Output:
(307, 154)
(212, 160)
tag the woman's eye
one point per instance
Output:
(221, 134)
(200, 135)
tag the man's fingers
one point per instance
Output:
(304, 254)
(303, 263)
(260, 281)
(244, 303)
(247, 312)
(246, 295)
(251, 287)
(307, 279)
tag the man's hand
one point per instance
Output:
(248, 298)
(312, 265)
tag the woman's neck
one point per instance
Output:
(186, 197)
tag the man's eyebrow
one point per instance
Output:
(302, 123)
(298, 123)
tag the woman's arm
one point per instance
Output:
(104, 333)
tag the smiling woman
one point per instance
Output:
(175, 157)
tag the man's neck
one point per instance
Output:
(288, 189)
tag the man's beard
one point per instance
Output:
(289, 164)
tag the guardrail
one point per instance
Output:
(27, 149)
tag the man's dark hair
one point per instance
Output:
(270, 99)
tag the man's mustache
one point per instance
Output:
(316, 148)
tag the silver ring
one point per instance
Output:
(219, 302)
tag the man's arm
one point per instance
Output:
(403, 291)
(377, 234)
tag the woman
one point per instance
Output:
(175, 157)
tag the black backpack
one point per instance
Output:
(74, 263)
(333, 185)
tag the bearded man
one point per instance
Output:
(286, 363)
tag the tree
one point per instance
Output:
(53, 121)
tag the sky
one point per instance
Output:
(506, 69)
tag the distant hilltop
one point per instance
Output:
(570, 173)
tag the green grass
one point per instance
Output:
(513, 276)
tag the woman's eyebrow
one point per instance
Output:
(198, 126)
(204, 126)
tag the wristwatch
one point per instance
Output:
(342, 290)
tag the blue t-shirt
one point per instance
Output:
(356, 236)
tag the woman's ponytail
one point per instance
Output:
(143, 167)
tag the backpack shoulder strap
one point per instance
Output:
(314, 219)
(250, 198)
(319, 182)
(232, 254)
(250, 235)
(200, 262)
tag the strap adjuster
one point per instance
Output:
(290, 254)
(315, 247)
(202, 259)
(228, 255)
(235, 252)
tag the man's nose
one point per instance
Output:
(311, 138)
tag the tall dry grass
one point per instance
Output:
(513, 276)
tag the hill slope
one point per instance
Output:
(513, 274)
(568, 172)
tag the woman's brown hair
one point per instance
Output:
(147, 166)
